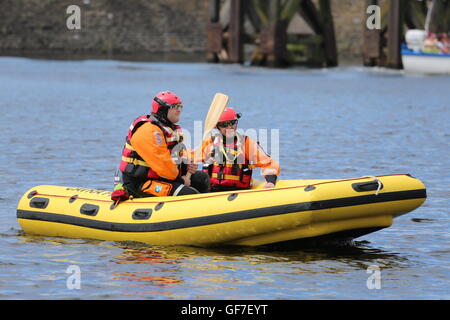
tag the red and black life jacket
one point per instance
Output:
(132, 164)
(227, 165)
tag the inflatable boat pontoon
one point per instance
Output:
(295, 210)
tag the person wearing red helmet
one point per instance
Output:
(154, 157)
(230, 157)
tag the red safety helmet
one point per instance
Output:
(229, 114)
(164, 99)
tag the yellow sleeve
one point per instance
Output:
(150, 144)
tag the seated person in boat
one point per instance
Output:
(431, 44)
(444, 43)
(229, 157)
(153, 156)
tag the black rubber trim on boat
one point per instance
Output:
(224, 217)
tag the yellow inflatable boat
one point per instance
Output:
(293, 211)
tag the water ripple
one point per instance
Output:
(334, 123)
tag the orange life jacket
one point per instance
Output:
(227, 165)
(132, 164)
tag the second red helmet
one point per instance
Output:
(229, 114)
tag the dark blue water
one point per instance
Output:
(63, 123)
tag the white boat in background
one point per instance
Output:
(417, 58)
(425, 63)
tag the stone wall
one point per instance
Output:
(349, 20)
(143, 28)
(107, 26)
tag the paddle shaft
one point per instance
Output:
(216, 108)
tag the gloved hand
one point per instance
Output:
(192, 168)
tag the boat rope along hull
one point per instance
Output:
(249, 218)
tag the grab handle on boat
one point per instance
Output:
(39, 203)
(368, 186)
(89, 209)
(142, 214)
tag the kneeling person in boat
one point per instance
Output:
(230, 157)
(153, 156)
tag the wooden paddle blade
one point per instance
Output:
(216, 108)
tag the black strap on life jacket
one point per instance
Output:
(245, 170)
